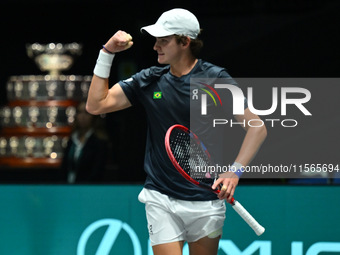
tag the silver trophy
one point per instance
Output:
(6, 115)
(70, 87)
(14, 144)
(30, 143)
(51, 88)
(17, 114)
(70, 113)
(3, 145)
(33, 87)
(18, 88)
(52, 113)
(33, 113)
(48, 146)
(53, 58)
(84, 86)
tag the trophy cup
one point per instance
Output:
(18, 88)
(17, 113)
(70, 113)
(48, 145)
(37, 121)
(52, 57)
(70, 87)
(33, 87)
(52, 113)
(84, 89)
(14, 144)
(3, 145)
(51, 88)
(30, 143)
(33, 113)
(6, 115)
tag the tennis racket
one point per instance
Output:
(189, 155)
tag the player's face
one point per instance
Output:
(168, 49)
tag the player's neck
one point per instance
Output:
(183, 66)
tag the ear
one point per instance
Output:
(186, 41)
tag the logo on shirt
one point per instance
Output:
(211, 92)
(157, 95)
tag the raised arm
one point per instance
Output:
(101, 99)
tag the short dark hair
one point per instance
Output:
(196, 45)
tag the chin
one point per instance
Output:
(162, 61)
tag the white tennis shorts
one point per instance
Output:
(171, 219)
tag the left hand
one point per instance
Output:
(228, 181)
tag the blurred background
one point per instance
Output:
(250, 38)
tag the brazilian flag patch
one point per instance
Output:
(157, 95)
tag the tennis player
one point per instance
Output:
(176, 210)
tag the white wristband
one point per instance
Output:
(103, 65)
(237, 169)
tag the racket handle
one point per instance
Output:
(248, 218)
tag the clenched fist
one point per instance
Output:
(119, 41)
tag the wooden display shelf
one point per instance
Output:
(36, 131)
(59, 103)
(29, 162)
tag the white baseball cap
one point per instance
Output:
(175, 22)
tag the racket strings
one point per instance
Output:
(191, 156)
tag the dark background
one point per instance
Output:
(263, 38)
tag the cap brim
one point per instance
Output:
(156, 30)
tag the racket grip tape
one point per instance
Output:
(259, 230)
